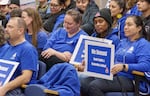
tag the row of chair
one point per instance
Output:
(40, 90)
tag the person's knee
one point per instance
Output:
(85, 80)
(95, 88)
(92, 86)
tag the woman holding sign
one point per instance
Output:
(103, 29)
(131, 54)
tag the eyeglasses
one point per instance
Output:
(54, 5)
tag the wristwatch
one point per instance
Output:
(124, 67)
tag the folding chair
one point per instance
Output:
(139, 76)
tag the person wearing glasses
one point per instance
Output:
(56, 16)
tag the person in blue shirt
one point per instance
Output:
(118, 8)
(56, 16)
(20, 51)
(132, 53)
(62, 42)
(131, 8)
(35, 33)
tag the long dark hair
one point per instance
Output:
(121, 4)
(139, 22)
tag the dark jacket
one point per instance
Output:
(88, 15)
(147, 26)
(49, 24)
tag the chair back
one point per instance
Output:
(42, 69)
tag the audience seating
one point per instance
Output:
(139, 76)
(40, 90)
(42, 69)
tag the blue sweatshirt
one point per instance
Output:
(136, 54)
(111, 36)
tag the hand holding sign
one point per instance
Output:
(99, 59)
(81, 66)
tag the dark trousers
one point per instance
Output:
(51, 61)
(98, 87)
(15, 92)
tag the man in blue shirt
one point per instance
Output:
(21, 51)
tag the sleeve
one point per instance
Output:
(51, 40)
(42, 39)
(59, 21)
(143, 59)
(29, 59)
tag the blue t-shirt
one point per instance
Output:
(3, 48)
(41, 39)
(59, 21)
(27, 57)
(136, 54)
(60, 41)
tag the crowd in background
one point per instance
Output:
(50, 33)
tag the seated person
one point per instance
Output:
(103, 26)
(43, 8)
(4, 12)
(131, 7)
(20, 51)
(62, 42)
(16, 13)
(88, 9)
(56, 16)
(131, 54)
(118, 8)
(14, 4)
(35, 33)
(3, 43)
(143, 6)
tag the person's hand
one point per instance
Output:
(67, 55)
(117, 68)
(81, 67)
(48, 53)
